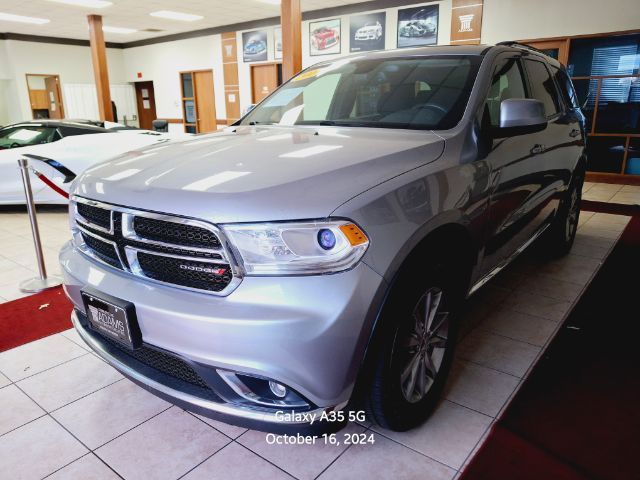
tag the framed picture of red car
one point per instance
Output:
(418, 26)
(367, 32)
(324, 37)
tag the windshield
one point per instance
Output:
(413, 92)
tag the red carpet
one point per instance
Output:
(577, 415)
(33, 317)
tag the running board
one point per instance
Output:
(507, 262)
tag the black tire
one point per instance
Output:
(559, 237)
(387, 400)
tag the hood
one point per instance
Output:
(254, 174)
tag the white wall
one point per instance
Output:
(71, 63)
(82, 101)
(244, 69)
(528, 19)
(163, 62)
(5, 72)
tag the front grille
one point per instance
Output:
(174, 270)
(180, 252)
(161, 361)
(96, 215)
(103, 250)
(175, 251)
(178, 233)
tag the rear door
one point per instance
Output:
(571, 145)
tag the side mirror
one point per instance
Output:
(520, 116)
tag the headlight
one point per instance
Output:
(300, 248)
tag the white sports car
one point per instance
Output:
(370, 31)
(60, 150)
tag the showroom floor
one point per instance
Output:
(69, 415)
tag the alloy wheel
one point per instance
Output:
(425, 346)
(572, 216)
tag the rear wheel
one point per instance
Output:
(560, 236)
(419, 335)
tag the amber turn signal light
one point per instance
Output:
(354, 234)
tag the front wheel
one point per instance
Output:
(419, 336)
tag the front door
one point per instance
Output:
(54, 98)
(146, 100)
(205, 101)
(520, 187)
(264, 80)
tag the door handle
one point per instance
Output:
(537, 148)
(574, 133)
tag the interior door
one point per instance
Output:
(205, 101)
(54, 98)
(146, 100)
(264, 80)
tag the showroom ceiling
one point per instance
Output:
(69, 21)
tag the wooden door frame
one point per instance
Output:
(261, 64)
(59, 86)
(195, 101)
(562, 45)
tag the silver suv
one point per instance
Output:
(314, 256)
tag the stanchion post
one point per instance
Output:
(42, 282)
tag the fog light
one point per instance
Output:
(326, 239)
(278, 390)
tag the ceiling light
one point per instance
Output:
(108, 29)
(85, 3)
(9, 17)
(270, 2)
(185, 17)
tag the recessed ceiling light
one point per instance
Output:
(185, 17)
(106, 28)
(85, 3)
(270, 2)
(9, 17)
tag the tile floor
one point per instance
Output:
(60, 419)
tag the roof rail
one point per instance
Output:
(513, 43)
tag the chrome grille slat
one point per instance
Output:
(169, 263)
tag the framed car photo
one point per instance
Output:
(324, 37)
(418, 26)
(367, 32)
(254, 46)
(277, 43)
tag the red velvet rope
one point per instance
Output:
(50, 184)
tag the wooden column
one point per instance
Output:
(100, 71)
(291, 19)
(230, 71)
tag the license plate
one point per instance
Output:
(112, 317)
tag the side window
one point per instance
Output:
(566, 87)
(72, 131)
(508, 82)
(542, 87)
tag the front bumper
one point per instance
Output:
(308, 333)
